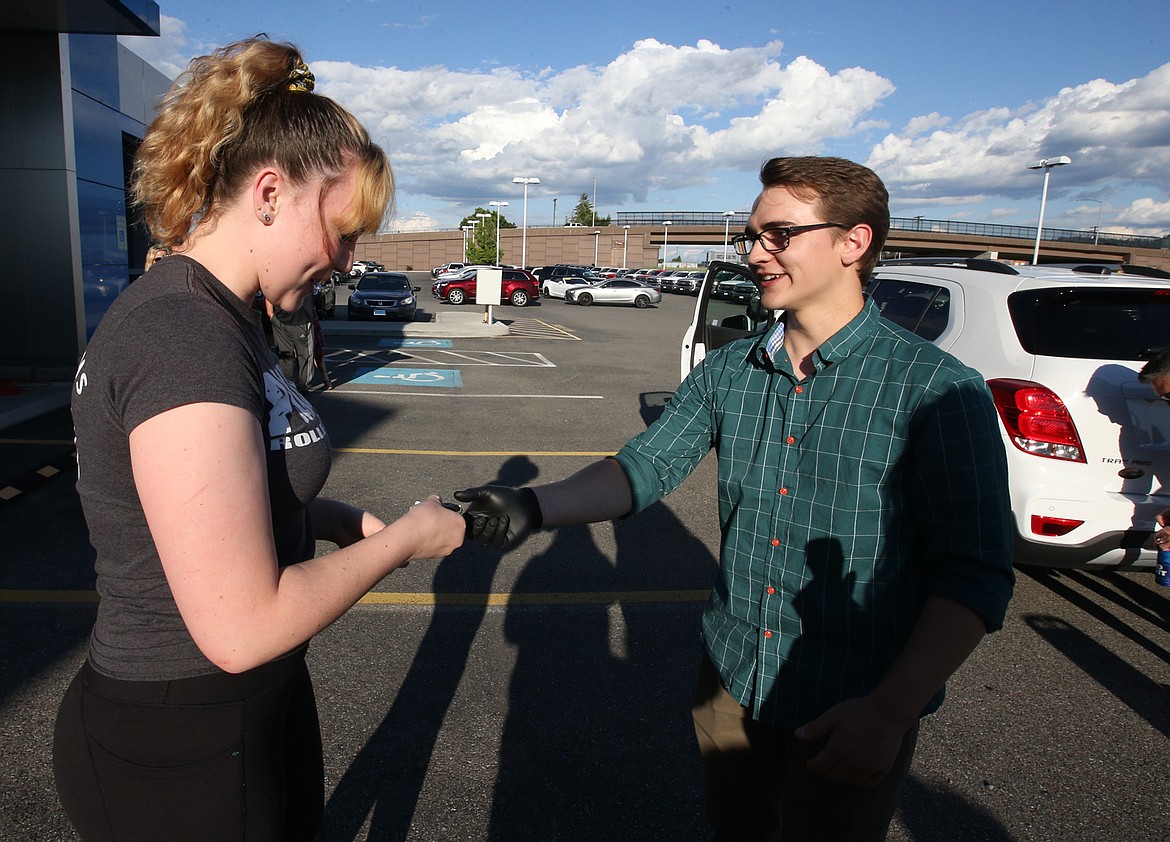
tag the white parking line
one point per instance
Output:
(524, 328)
(432, 357)
(518, 358)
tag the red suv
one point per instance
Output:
(518, 288)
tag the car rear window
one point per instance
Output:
(1087, 323)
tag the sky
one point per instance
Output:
(673, 106)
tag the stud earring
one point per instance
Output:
(267, 218)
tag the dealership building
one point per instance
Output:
(74, 105)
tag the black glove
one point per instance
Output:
(498, 516)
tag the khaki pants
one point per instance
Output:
(759, 789)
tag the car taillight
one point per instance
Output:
(1037, 421)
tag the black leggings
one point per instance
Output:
(219, 757)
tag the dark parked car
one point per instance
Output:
(383, 295)
(678, 280)
(646, 276)
(518, 288)
(726, 285)
(560, 270)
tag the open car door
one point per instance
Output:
(727, 309)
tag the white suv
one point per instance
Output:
(1088, 444)
(446, 268)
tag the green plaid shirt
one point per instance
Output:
(845, 499)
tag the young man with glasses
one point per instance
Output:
(864, 508)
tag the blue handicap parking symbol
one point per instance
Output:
(400, 342)
(397, 376)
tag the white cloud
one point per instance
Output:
(414, 221)
(656, 118)
(662, 124)
(168, 52)
(1002, 213)
(811, 108)
(1146, 214)
(1118, 136)
(921, 125)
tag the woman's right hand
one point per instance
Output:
(434, 530)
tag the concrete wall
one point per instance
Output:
(425, 250)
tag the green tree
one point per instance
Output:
(583, 214)
(481, 247)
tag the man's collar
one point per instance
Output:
(841, 344)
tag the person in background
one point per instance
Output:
(193, 716)
(862, 492)
(297, 338)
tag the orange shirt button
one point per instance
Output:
(791, 439)
(771, 589)
(800, 390)
(784, 491)
(768, 633)
(775, 542)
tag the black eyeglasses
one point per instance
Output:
(775, 239)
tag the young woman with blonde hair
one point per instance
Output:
(193, 716)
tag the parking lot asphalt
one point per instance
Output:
(543, 694)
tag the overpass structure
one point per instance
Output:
(638, 240)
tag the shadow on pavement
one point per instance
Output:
(386, 778)
(597, 741)
(928, 813)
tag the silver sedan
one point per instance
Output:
(616, 291)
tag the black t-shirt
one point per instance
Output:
(178, 336)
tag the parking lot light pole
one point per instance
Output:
(665, 240)
(525, 180)
(466, 229)
(1045, 164)
(1097, 227)
(480, 217)
(596, 240)
(726, 231)
(625, 246)
(497, 206)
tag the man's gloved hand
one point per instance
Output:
(498, 516)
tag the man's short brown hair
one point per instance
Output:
(846, 192)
